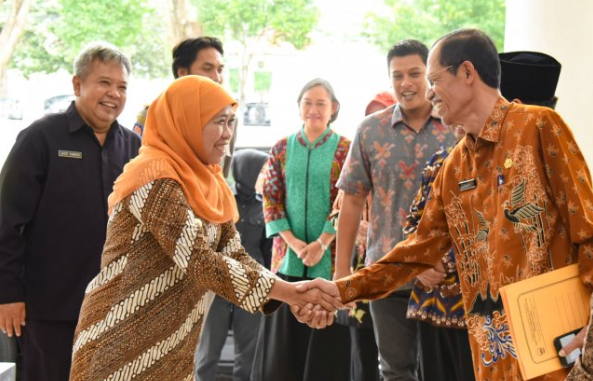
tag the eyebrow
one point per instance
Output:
(310, 100)
(212, 64)
(411, 69)
(112, 79)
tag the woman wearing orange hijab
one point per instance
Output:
(171, 239)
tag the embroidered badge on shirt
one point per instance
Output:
(70, 154)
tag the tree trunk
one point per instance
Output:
(11, 33)
(183, 22)
(243, 75)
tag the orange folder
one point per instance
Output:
(540, 309)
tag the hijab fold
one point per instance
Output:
(172, 147)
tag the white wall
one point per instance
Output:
(562, 29)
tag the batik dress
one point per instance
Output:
(142, 314)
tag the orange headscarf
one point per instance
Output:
(172, 146)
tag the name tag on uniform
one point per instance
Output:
(70, 154)
(466, 185)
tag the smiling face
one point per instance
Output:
(446, 91)
(316, 108)
(216, 135)
(408, 82)
(101, 93)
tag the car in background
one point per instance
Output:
(10, 108)
(256, 114)
(58, 103)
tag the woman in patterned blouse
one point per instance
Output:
(170, 240)
(298, 194)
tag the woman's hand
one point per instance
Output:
(297, 246)
(316, 316)
(322, 296)
(312, 254)
(293, 242)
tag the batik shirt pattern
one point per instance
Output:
(386, 159)
(442, 305)
(514, 203)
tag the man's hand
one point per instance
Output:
(328, 288)
(318, 293)
(338, 274)
(431, 277)
(12, 317)
(313, 317)
(317, 316)
(576, 343)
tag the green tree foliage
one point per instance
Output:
(256, 22)
(428, 20)
(277, 20)
(57, 31)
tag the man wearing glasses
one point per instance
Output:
(514, 199)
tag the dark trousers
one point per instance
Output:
(245, 326)
(47, 350)
(365, 355)
(446, 355)
(397, 338)
(291, 351)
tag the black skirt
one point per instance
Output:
(291, 351)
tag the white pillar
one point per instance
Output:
(562, 29)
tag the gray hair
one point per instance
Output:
(330, 90)
(104, 52)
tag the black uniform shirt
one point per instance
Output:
(53, 211)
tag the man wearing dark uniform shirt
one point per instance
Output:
(53, 211)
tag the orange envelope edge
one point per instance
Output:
(541, 308)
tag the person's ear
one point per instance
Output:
(468, 70)
(76, 82)
(335, 107)
(182, 72)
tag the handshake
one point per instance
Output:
(312, 302)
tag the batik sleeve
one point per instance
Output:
(419, 252)
(274, 192)
(570, 182)
(162, 210)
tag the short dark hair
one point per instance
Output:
(407, 48)
(330, 91)
(474, 46)
(185, 53)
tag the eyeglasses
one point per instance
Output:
(435, 75)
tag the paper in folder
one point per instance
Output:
(541, 308)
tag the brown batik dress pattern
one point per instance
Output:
(142, 314)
